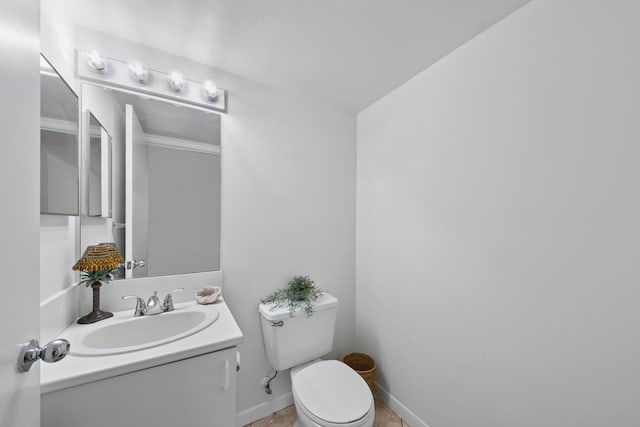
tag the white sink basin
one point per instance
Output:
(122, 334)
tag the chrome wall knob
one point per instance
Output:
(52, 352)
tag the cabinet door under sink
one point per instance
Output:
(195, 392)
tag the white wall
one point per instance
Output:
(497, 225)
(288, 207)
(57, 252)
(57, 39)
(288, 203)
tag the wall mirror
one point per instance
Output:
(59, 172)
(151, 181)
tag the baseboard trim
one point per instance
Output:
(263, 410)
(396, 406)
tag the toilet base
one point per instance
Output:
(304, 421)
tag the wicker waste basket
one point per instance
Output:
(364, 365)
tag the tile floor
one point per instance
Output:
(385, 417)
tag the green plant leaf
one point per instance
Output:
(300, 293)
(89, 277)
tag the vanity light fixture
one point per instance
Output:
(138, 71)
(176, 81)
(97, 60)
(133, 73)
(210, 89)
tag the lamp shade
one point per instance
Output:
(101, 257)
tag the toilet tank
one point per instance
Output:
(290, 341)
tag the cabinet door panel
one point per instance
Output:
(195, 392)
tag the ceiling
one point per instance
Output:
(168, 120)
(346, 52)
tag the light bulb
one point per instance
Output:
(176, 81)
(138, 71)
(210, 89)
(96, 60)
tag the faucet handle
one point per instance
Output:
(167, 305)
(141, 306)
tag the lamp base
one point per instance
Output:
(94, 316)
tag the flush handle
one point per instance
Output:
(279, 323)
(52, 352)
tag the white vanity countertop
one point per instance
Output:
(77, 370)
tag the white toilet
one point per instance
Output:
(326, 393)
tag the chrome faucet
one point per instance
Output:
(167, 304)
(153, 306)
(141, 306)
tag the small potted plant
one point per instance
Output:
(301, 292)
(96, 267)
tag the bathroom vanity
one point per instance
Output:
(163, 382)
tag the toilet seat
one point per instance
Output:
(331, 394)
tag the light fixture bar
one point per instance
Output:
(119, 75)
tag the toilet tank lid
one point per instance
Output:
(272, 313)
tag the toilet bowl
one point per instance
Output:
(328, 393)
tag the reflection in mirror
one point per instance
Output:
(165, 201)
(58, 144)
(59, 177)
(99, 177)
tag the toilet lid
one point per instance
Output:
(332, 391)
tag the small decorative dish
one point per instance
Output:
(208, 295)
